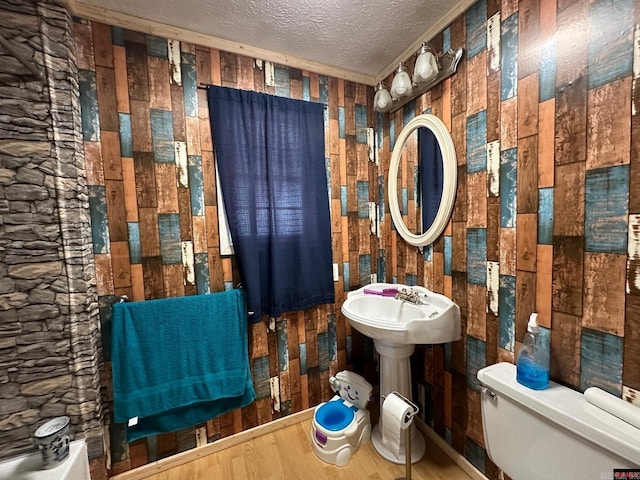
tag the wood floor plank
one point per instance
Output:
(287, 453)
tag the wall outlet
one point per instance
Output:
(336, 272)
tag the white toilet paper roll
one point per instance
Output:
(396, 417)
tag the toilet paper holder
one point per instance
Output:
(414, 407)
(409, 420)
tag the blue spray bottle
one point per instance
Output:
(532, 363)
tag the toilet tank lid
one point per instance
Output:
(568, 408)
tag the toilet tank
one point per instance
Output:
(553, 433)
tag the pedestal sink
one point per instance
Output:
(396, 325)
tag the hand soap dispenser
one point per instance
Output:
(532, 363)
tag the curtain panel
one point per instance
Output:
(270, 157)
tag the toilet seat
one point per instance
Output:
(342, 424)
(335, 416)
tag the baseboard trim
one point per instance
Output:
(451, 452)
(163, 464)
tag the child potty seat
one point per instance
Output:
(342, 424)
(335, 415)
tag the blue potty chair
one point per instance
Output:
(342, 424)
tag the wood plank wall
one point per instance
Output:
(155, 215)
(544, 116)
(546, 218)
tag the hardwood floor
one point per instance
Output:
(287, 454)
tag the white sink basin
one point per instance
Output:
(376, 313)
(396, 326)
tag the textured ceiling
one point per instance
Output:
(362, 36)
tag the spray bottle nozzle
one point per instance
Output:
(532, 326)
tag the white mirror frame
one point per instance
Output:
(450, 180)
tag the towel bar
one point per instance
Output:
(239, 285)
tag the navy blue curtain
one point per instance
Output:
(270, 154)
(431, 176)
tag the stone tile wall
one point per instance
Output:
(49, 341)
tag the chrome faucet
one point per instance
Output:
(405, 295)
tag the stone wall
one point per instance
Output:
(49, 339)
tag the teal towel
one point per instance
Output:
(179, 361)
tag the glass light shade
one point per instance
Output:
(426, 68)
(382, 101)
(401, 85)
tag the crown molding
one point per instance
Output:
(130, 22)
(118, 19)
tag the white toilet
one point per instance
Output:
(342, 424)
(556, 432)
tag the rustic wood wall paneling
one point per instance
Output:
(529, 230)
(546, 230)
(154, 163)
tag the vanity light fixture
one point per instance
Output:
(429, 70)
(426, 67)
(382, 101)
(401, 85)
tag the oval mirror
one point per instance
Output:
(433, 147)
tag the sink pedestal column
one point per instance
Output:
(395, 375)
